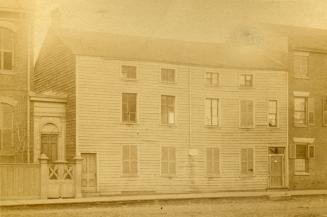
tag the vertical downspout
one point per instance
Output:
(28, 83)
(190, 127)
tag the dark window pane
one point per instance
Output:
(301, 151)
(7, 60)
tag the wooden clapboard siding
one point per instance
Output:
(19, 181)
(101, 131)
(229, 137)
(55, 72)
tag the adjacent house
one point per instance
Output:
(307, 86)
(160, 116)
(15, 67)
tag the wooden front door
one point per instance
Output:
(89, 173)
(276, 171)
(49, 146)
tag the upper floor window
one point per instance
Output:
(129, 107)
(213, 166)
(6, 49)
(246, 113)
(128, 72)
(300, 64)
(167, 109)
(168, 161)
(212, 79)
(300, 111)
(168, 75)
(247, 161)
(6, 126)
(246, 80)
(212, 112)
(272, 113)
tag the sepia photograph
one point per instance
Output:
(163, 108)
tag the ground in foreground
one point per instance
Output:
(315, 206)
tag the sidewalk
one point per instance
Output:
(140, 198)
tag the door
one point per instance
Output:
(276, 167)
(276, 171)
(89, 172)
(49, 146)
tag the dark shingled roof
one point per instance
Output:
(114, 46)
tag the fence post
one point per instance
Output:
(44, 175)
(78, 176)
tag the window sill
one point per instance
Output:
(6, 72)
(247, 128)
(129, 79)
(130, 124)
(247, 176)
(212, 126)
(168, 82)
(213, 176)
(302, 77)
(212, 86)
(168, 176)
(300, 125)
(301, 174)
(246, 87)
(169, 125)
(129, 176)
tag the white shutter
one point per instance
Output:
(311, 114)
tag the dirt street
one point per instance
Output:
(252, 207)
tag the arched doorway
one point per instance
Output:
(49, 141)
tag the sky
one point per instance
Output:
(192, 20)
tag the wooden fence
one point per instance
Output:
(40, 181)
(19, 181)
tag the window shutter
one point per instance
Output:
(250, 161)
(209, 161)
(243, 113)
(324, 109)
(244, 161)
(216, 161)
(311, 117)
(311, 151)
(292, 153)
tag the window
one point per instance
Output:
(167, 109)
(302, 154)
(213, 161)
(168, 161)
(129, 107)
(300, 65)
(300, 111)
(247, 114)
(6, 126)
(6, 49)
(324, 109)
(212, 112)
(168, 75)
(128, 72)
(247, 162)
(272, 113)
(301, 161)
(246, 80)
(129, 160)
(212, 79)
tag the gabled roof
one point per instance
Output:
(114, 46)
